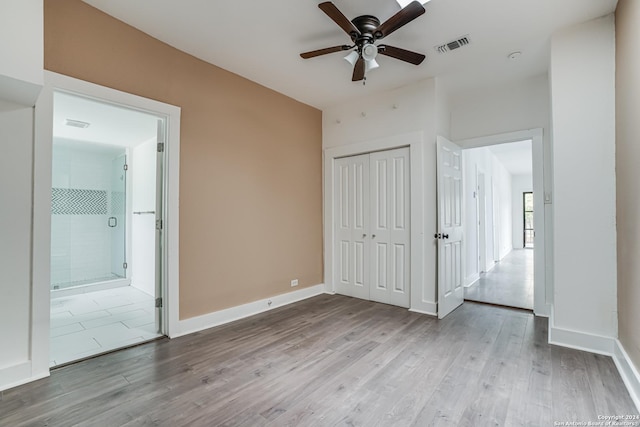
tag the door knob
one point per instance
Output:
(445, 236)
(373, 236)
(364, 235)
(437, 236)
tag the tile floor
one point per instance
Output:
(509, 283)
(92, 323)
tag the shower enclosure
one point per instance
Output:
(88, 215)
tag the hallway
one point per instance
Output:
(509, 283)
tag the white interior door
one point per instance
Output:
(449, 235)
(351, 216)
(390, 227)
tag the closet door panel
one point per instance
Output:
(390, 233)
(351, 204)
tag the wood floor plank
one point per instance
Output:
(333, 360)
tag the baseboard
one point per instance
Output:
(217, 318)
(429, 313)
(426, 307)
(13, 376)
(581, 341)
(628, 372)
(471, 280)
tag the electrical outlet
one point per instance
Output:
(294, 282)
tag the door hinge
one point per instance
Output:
(158, 224)
(160, 147)
(125, 265)
(159, 302)
(125, 167)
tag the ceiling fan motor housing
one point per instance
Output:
(367, 25)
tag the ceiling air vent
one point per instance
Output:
(454, 44)
(77, 123)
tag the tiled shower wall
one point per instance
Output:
(81, 241)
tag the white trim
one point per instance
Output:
(42, 202)
(433, 311)
(15, 375)
(472, 279)
(227, 315)
(628, 372)
(415, 142)
(579, 340)
(541, 292)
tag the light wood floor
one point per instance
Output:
(334, 360)
(509, 283)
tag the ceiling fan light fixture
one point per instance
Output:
(369, 52)
(352, 57)
(370, 65)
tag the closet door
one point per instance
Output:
(389, 227)
(351, 216)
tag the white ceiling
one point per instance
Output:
(261, 40)
(516, 157)
(109, 124)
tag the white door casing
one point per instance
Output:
(372, 226)
(450, 230)
(160, 320)
(390, 227)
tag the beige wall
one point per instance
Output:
(628, 174)
(250, 165)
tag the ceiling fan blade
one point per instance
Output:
(358, 70)
(414, 58)
(406, 15)
(334, 13)
(314, 53)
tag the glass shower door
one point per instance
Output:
(117, 218)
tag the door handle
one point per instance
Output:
(113, 221)
(445, 236)
(373, 236)
(364, 235)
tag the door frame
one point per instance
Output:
(415, 141)
(40, 317)
(542, 294)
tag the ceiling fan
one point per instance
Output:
(364, 31)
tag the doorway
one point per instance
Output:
(106, 260)
(498, 192)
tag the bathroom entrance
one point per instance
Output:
(106, 216)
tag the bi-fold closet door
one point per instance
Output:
(372, 234)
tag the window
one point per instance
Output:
(527, 208)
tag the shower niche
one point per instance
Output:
(88, 215)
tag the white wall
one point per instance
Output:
(519, 184)
(582, 75)
(502, 199)
(497, 205)
(21, 50)
(21, 77)
(16, 139)
(391, 116)
(143, 227)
